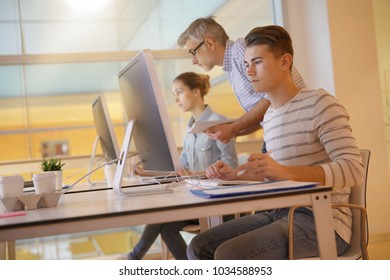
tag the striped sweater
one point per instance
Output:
(313, 129)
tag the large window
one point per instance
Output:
(57, 55)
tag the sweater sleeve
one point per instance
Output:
(345, 168)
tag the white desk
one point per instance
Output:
(105, 209)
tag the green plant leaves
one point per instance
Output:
(51, 165)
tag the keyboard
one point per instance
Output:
(170, 178)
(144, 190)
(158, 179)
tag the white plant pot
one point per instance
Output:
(11, 186)
(58, 174)
(44, 182)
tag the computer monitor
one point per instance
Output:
(144, 103)
(104, 129)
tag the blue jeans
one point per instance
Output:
(260, 236)
(170, 233)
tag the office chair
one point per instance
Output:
(357, 202)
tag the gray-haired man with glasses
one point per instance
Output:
(210, 46)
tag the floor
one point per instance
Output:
(379, 250)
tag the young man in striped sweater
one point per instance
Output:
(308, 138)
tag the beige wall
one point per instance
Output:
(343, 32)
(382, 27)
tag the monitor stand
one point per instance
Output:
(121, 170)
(129, 178)
(91, 163)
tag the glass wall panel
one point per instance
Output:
(71, 78)
(11, 81)
(14, 141)
(14, 146)
(67, 120)
(9, 28)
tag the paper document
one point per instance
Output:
(265, 187)
(201, 126)
(214, 183)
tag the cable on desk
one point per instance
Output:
(89, 173)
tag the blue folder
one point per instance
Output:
(247, 189)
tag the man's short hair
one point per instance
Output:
(276, 37)
(201, 28)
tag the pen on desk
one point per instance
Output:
(239, 173)
(12, 214)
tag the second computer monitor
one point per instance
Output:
(143, 102)
(105, 129)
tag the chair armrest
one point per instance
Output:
(363, 221)
(363, 226)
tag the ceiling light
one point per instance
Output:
(86, 6)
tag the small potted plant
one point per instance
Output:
(54, 165)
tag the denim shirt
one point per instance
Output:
(199, 151)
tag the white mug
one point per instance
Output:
(109, 173)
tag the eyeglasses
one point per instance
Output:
(193, 51)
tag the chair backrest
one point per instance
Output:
(358, 197)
